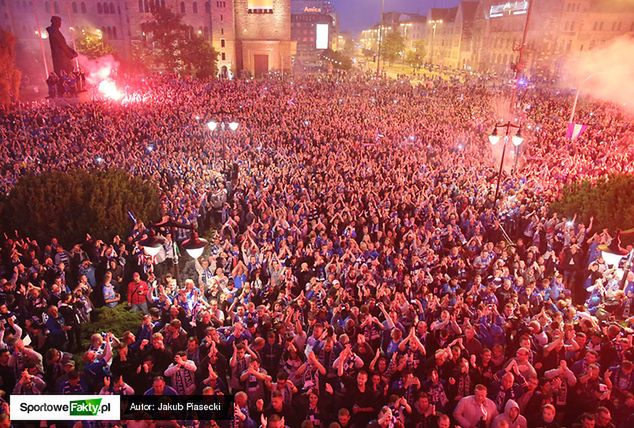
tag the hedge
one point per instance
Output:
(610, 201)
(67, 205)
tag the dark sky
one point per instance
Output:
(356, 15)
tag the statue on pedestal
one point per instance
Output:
(61, 53)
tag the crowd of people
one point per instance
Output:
(360, 274)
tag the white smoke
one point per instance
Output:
(605, 73)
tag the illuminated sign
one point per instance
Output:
(260, 4)
(322, 36)
(312, 10)
(509, 8)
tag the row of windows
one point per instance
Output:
(82, 7)
(616, 26)
(105, 8)
(261, 11)
(569, 26)
(147, 6)
(102, 8)
(573, 7)
(47, 7)
(110, 32)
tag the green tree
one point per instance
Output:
(70, 204)
(415, 58)
(392, 46)
(610, 201)
(175, 47)
(198, 57)
(92, 44)
(9, 74)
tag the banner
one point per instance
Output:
(575, 130)
(65, 407)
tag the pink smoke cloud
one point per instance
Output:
(605, 73)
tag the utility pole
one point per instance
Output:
(380, 36)
(433, 23)
(519, 67)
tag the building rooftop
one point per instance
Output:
(446, 14)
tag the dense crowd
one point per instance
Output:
(361, 273)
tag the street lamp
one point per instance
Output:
(379, 40)
(213, 125)
(494, 138)
(194, 245)
(152, 244)
(434, 23)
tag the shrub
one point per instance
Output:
(610, 201)
(116, 320)
(67, 205)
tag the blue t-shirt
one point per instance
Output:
(109, 293)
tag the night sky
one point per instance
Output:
(356, 15)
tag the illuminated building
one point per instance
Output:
(249, 35)
(313, 28)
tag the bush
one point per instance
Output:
(610, 201)
(116, 320)
(67, 205)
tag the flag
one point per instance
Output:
(575, 130)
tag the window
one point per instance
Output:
(83, 7)
(112, 10)
(195, 7)
(74, 7)
(221, 18)
(99, 8)
(222, 43)
(182, 7)
(47, 7)
(140, 6)
(114, 32)
(207, 7)
(223, 56)
(222, 30)
(56, 7)
(146, 6)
